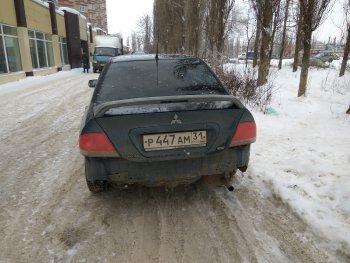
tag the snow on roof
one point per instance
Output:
(70, 10)
(99, 29)
(60, 12)
(41, 2)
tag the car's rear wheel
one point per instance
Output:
(92, 171)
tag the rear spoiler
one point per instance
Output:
(100, 109)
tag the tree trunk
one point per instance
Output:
(272, 41)
(306, 58)
(246, 57)
(275, 24)
(215, 30)
(257, 41)
(284, 34)
(346, 54)
(298, 41)
(265, 43)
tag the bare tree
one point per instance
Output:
(133, 42)
(347, 43)
(298, 39)
(160, 24)
(276, 23)
(168, 25)
(249, 34)
(128, 41)
(312, 13)
(145, 31)
(216, 28)
(257, 41)
(231, 17)
(237, 46)
(264, 10)
(283, 42)
(193, 21)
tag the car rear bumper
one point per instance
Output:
(169, 173)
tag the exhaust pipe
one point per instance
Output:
(230, 188)
(227, 182)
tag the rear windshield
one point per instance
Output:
(138, 79)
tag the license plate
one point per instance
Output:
(166, 141)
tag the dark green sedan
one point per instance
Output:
(162, 121)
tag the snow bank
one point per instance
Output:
(37, 80)
(302, 154)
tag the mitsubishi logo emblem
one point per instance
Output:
(176, 120)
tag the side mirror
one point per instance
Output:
(92, 83)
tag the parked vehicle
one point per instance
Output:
(106, 47)
(162, 121)
(327, 57)
(246, 55)
(314, 62)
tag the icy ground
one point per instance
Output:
(302, 154)
(292, 205)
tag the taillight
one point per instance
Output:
(96, 145)
(245, 134)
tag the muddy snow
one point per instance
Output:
(47, 213)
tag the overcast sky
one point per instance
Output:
(330, 27)
(123, 15)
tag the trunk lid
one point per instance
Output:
(126, 123)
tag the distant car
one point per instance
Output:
(327, 57)
(162, 121)
(248, 55)
(314, 62)
(138, 53)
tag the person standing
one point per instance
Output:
(86, 63)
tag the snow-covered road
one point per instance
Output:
(47, 213)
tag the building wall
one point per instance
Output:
(61, 26)
(83, 29)
(38, 18)
(35, 18)
(8, 12)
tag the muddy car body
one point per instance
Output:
(162, 121)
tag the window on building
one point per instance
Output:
(63, 50)
(41, 49)
(10, 56)
(82, 9)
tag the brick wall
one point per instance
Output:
(94, 10)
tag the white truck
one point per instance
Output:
(106, 47)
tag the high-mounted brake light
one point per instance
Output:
(96, 145)
(245, 134)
